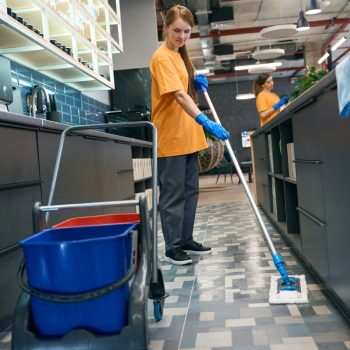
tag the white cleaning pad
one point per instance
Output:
(288, 296)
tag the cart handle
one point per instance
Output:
(70, 298)
(154, 172)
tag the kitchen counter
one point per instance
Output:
(20, 121)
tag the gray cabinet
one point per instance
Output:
(19, 189)
(18, 150)
(318, 200)
(260, 169)
(334, 137)
(309, 168)
(308, 158)
(9, 290)
(16, 213)
(314, 243)
(93, 168)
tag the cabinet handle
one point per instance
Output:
(311, 217)
(122, 171)
(10, 249)
(264, 159)
(21, 184)
(305, 104)
(307, 161)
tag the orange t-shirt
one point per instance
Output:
(178, 133)
(264, 101)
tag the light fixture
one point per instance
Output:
(245, 96)
(225, 57)
(267, 54)
(302, 24)
(258, 69)
(202, 71)
(325, 56)
(325, 3)
(246, 67)
(312, 8)
(279, 31)
(242, 96)
(338, 43)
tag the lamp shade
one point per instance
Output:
(312, 7)
(245, 96)
(302, 24)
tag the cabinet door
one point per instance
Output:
(305, 133)
(9, 290)
(308, 159)
(310, 188)
(18, 151)
(16, 213)
(90, 171)
(261, 178)
(314, 243)
(335, 148)
(260, 159)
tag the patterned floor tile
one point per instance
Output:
(228, 299)
(221, 300)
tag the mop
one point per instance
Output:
(284, 289)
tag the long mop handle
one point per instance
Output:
(241, 177)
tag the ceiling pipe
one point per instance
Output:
(249, 30)
(241, 73)
(342, 55)
(333, 36)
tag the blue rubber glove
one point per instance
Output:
(200, 82)
(281, 102)
(212, 127)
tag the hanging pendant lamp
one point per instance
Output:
(312, 8)
(302, 24)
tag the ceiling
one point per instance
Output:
(243, 34)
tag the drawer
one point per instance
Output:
(306, 133)
(18, 156)
(16, 213)
(310, 188)
(123, 157)
(125, 185)
(314, 242)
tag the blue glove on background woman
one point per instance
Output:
(200, 81)
(281, 102)
(212, 127)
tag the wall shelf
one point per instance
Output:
(88, 65)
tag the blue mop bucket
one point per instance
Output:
(76, 260)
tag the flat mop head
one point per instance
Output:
(279, 294)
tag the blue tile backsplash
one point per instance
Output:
(75, 107)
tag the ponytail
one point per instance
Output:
(190, 71)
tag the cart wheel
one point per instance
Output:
(158, 309)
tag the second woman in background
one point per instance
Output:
(268, 103)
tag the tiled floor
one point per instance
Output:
(221, 300)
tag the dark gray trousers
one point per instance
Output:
(179, 190)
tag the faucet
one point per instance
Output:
(34, 93)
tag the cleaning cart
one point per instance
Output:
(128, 240)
